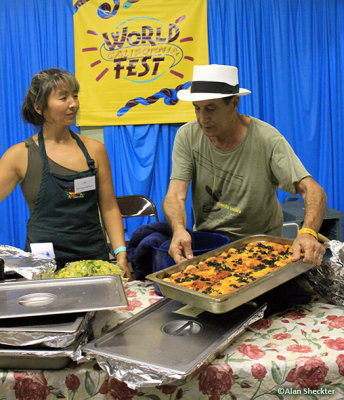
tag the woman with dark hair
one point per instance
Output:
(65, 177)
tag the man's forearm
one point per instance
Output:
(174, 211)
(306, 244)
(315, 204)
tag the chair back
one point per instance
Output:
(137, 205)
(290, 230)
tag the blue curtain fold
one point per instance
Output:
(140, 158)
(289, 53)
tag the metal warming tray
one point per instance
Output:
(162, 342)
(61, 296)
(227, 302)
(56, 331)
(68, 323)
(40, 358)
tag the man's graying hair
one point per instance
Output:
(41, 86)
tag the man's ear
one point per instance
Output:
(236, 101)
(37, 109)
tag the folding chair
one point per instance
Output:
(137, 205)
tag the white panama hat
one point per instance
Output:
(213, 81)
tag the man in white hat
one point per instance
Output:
(236, 163)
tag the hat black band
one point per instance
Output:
(213, 87)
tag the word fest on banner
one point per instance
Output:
(132, 57)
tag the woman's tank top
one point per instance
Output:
(32, 180)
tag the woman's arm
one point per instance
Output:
(13, 166)
(109, 209)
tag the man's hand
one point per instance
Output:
(180, 248)
(311, 249)
(315, 203)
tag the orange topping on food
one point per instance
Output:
(233, 268)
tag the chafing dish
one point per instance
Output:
(55, 331)
(32, 357)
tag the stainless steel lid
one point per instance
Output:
(61, 296)
(161, 339)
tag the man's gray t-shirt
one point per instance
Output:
(234, 192)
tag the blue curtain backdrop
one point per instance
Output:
(290, 53)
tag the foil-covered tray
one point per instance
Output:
(25, 264)
(328, 279)
(61, 296)
(41, 358)
(227, 302)
(55, 331)
(163, 343)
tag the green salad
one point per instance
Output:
(89, 268)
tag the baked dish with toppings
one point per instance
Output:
(82, 268)
(233, 268)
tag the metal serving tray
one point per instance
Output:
(68, 323)
(39, 358)
(227, 302)
(61, 296)
(34, 359)
(161, 343)
(56, 331)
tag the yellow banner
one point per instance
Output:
(132, 56)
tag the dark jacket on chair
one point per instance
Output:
(139, 249)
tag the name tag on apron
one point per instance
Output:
(85, 184)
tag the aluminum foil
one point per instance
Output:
(47, 339)
(26, 264)
(136, 376)
(39, 358)
(328, 279)
(77, 354)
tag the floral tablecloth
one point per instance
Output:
(297, 354)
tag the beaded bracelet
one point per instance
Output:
(309, 231)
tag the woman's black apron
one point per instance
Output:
(67, 219)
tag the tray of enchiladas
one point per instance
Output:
(225, 278)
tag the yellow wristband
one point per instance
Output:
(309, 231)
